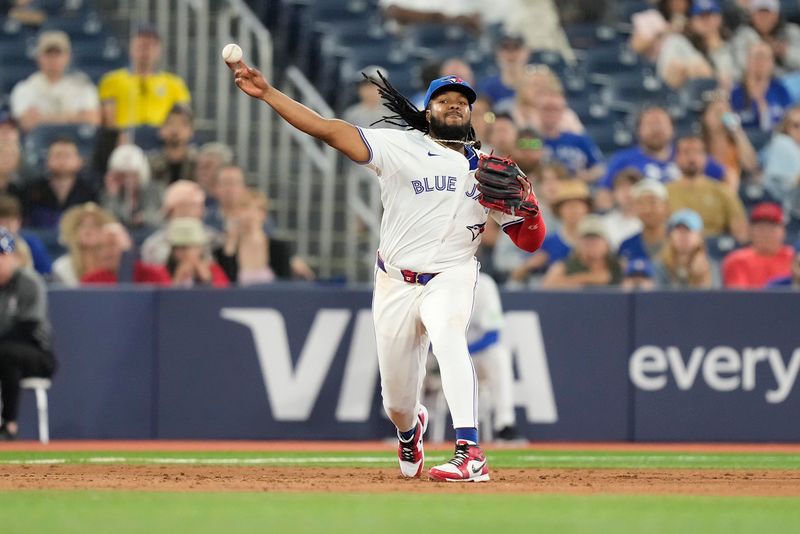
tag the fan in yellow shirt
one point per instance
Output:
(140, 95)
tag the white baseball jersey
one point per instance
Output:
(432, 220)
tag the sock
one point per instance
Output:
(467, 434)
(408, 434)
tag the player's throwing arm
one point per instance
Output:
(337, 133)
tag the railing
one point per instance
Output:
(191, 48)
(308, 163)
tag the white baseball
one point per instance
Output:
(232, 53)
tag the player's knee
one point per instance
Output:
(399, 414)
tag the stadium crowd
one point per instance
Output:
(102, 179)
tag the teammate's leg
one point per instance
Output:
(501, 376)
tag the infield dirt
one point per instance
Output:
(369, 480)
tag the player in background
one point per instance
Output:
(491, 357)
(426, 268)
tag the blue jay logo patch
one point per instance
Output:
(477, 230)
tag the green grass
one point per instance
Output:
(230, 513)
(499, 458)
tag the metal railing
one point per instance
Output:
(191, 45)
(309, 164)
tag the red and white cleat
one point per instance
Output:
(411, 454)
(468, 465)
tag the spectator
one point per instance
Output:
(639, 276)
(526, 112)
(112, 261)
(24, 332)
(482, 118)
(683, 263)
(727, 141)
(652, 26)
(653, 156)
(781, 158)
(721, 210)
(211, 158)
(182, 199)
(51, 95)
(46, 199)
(511, 56)
(766, 258)
(622, 222)
(591, 263)
(503, 136)
(792, 280)
(701, 52)
(572, 204)
(547, 184)
(464, 13)
(528, 152)
(80, 231)
(30, 249)
(178, 159)
(26, 12)
(577, 152)
(10, 137)
(650, 206)
(128, 193)
(369, 110)
(141, 95)
(229, 192)
(9, 169)
(458, 67)
(249, 256)
(188, 262)
(538, 22)
(767, 25)
(760, 100)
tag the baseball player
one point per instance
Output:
(435, 209)
(491, 357)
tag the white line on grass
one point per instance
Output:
(212, 461)
(650, 458)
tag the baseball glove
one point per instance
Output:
(504, 187)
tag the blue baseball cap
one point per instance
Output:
(640, 267)
(701, 7)
(453, 83)
(688, 218)
(7, 243)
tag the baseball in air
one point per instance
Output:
(232, 53)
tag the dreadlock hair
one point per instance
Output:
(406, 115)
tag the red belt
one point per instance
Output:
(411, 277)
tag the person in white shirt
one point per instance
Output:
(426, 268)
(465, 13)
(52, 95)
(622, 222)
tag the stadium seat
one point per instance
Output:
(607, 62)
(590, 36)
(75, 25)
(720, 246)
(758, 137)
(38, 140)
(694, 92)
(145, 137)
(40, 386)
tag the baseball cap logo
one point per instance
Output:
(455, 79)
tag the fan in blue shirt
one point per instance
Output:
(578, 153)
(655, 154)
(760, 100)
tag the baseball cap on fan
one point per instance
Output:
(53, 41)
(702, 7)
(767, 212)
(450, 83)
(764, 5)
(688, 218)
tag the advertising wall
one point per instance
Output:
(291, 362)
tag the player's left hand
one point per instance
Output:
(504, 187)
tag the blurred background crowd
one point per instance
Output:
(662, 138)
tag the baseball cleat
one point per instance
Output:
(410, 453)
(467, 465)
